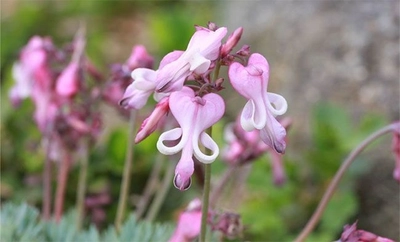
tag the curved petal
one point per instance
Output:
(280, 104)
(209, 143)
(199, 64)
(254, 115)
(210, 112)
(134, 98)
(172, 76)
(207, 42)
(185, 168)
(144, 79)
(170, 57)
(171, 135)
(274, 135)
(247, 85)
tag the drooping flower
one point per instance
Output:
(194, 114)
(203, 48)
(352, 234)
(139, 58)
(259, 112)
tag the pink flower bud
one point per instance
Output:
(150, 123)
(231, 42)
(68, 82)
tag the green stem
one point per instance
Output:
(151, 186)
(204, 207)
(160, 196)
(80, 201)
(123, 195)
(334, 183)
(206, 193)
(216, 70)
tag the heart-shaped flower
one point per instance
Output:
(259, 112)
(194, 114)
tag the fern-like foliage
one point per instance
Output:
(22, 223)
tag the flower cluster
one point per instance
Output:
(63, 100)
(186, 84)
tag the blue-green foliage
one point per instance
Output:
(23, 223)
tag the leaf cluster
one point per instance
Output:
(22, 223)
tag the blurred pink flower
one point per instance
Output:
(139, 58)
(67, 84)
(31, 71)
(189, 222)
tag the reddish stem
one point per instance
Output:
(61, 186)
(46, 204)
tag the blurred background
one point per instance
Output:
(336, 63)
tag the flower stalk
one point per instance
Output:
(80, 201)
(126, 179)
(335, 181)
(162, 193)
(46, 203)
(206, 196)
(65, 165)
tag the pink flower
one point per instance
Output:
(31, 70)
(67, 83)
(202, 49)
(251, 82)
(194, 114)
(150, 124)
(352, 234)
(144, 84)
(137, 93)
(189, 222)
(46, 109)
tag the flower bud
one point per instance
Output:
(150, 123)
(68, 82)
(232, 41)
